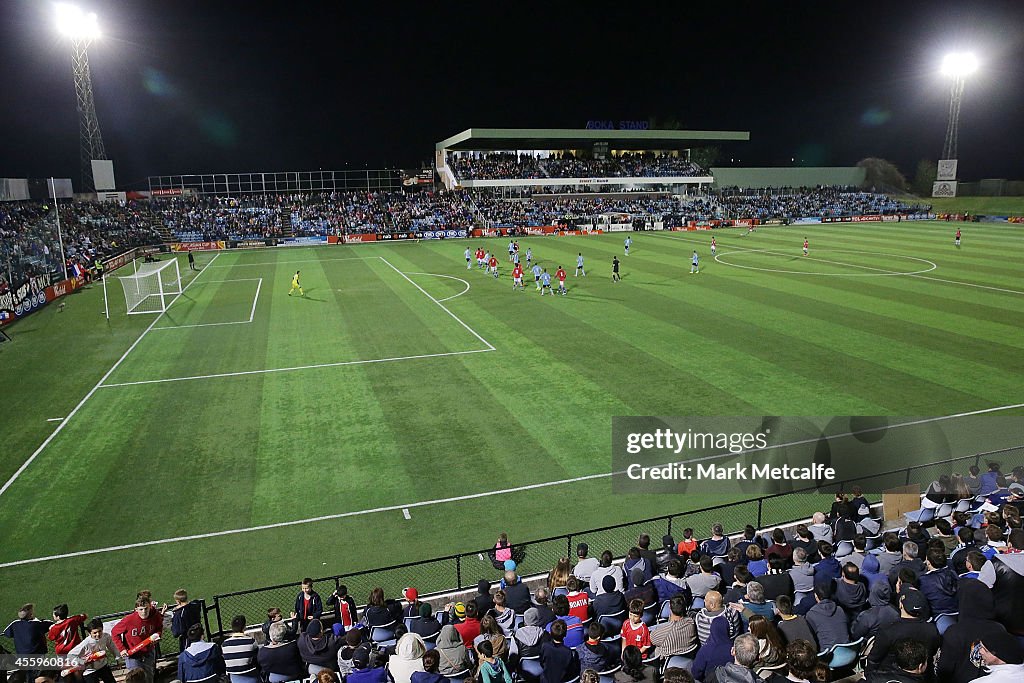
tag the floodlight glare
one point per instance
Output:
(76, 24)
(959, 64)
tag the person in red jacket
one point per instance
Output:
(137, 629)
(66, 631)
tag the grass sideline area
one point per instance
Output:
(367, 393)
(984, 206)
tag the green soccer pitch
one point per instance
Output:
(403, 382)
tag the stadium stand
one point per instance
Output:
(506, 166)
(865, 606)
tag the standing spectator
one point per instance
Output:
(308, 605)
(29, 635)
(634, 630)
(135, 629)
(239, 651)
(344, 609)
(97, 641)
(66, 631)
(280, 660)
(201, 660)
(184, 614)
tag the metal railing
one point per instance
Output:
(463, 570)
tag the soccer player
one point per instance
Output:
(511, 249)
(192, 259)
(695, 264)
(487, 261)
(806, 246)
(515, 258)
(627, 244)
(469, 264)
(479, 257)
(714, 246)
(545, 282)
(579, 265)
(536, 272)
(615, 269)
(529, 255)
(493, 263)
(560, 274)
(956, 240)
(296, 285)
(517, 277)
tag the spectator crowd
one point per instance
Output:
(940, 599)
(508, 165)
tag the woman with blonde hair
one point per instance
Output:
(559, 576)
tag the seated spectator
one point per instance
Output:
(489, 630)
(844, 528)
(585, 565)
(579, 603)
(717, 545)
(365, 668)
(777, 581)
(504, 617)
(675, 674)
(353, 640)
(201, 660)
(280, 659)
(725, 568)
(688, 544)
(671, 583)
(430, 673)
(408, 658)
(975, 622)
(574, 632)
(879, 614)
(827, 620)
(805, 540)
(819, 529)
(1003, 657)
(635, 561)
(377, 612)
(1008, 588)
(851, 591)
(319, 650)
(454, 656)
(517, 593)
(558, 662)
(530, 636)
(860, 543)
(802, 572)
(490, 669)
(780, 546)
(707, 580)
(633, 668)
(559, 575)
(909, 664)
(540, 603)
(909, 560)
(801, 663)
(911, 625)
(754, 604)
(606, 568)
(987, 482)
(771, 650)
(756, 564)
(610, 601)
(594, 654)
(827, 569)
(793, 627)
(713, 610)
(469, 625)
(678, 635)
(666, 554)
(484, 601)
(738, 590)
(716, 652)
(749, 539)
(425, 626)
(892, 553)
(939, 583)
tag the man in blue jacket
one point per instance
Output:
(200, 661)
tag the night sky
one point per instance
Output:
(191, 87)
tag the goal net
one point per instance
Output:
(152, 287)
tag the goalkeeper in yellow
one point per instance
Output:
(296, 285)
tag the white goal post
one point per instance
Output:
(152, 287)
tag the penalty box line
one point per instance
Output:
(252, 313)
(63, 423)
(465, 497)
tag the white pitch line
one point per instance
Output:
(310, 260)
(54, 419)
(450, 277)
(451, 499)
(882, 272)
(92, 391)
(405, 513)
(443, 307)
(296, 367)
(252, 313)
(917, 275)
(255, 299)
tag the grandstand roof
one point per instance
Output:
(571, 138)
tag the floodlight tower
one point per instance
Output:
(82, 28)
(958, 66)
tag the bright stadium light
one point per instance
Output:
(82, 28)
(959, 64)
(956, 65)
(76, 24)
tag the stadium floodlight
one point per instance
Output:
(956, 65)
(959, 64)
(83, 28)
(77, 24)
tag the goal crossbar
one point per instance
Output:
(152, 287)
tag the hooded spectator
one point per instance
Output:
(454, 657)
(879, 614)
(827, 620)
(408, 658)
(976, 622)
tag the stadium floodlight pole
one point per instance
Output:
(956, 65)
(60, 235)
(82, 28)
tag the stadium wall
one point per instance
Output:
(810, 176)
